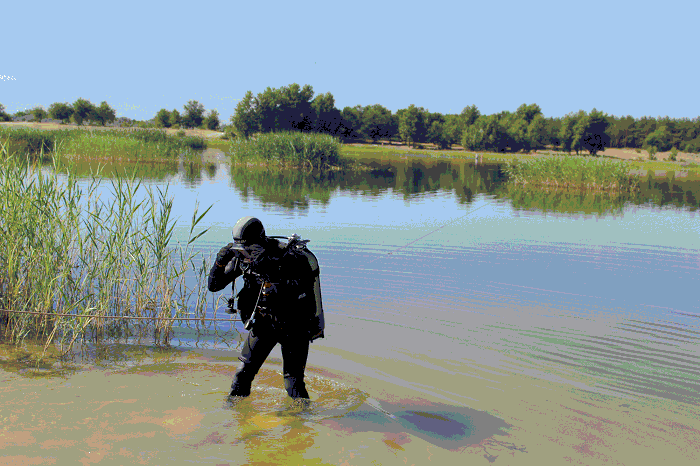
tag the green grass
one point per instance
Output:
(288, 149)
(108, 144)
(371, 151)
(573, 172)
(69, 249)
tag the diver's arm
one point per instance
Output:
(225, 269)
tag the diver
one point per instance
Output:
(280, 301)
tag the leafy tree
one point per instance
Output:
(537, 134)
(376, 122)
(295, 110)
(566, 133)
(245, 118)
(39, 113)
(60, 111)
(352, 122)
(528, 112)
(326, 117)
(425, 119)
(660, 138)
(469, 115)
(553, 126)
(514, 130)
(212, 120)
(83, 109)
(408, 121)
(267, 108)
(619, 131)
(486, 134)
(175, 118)
(692, 146)
(455, 125)
(590, 132)
(163, 118)
(194, 114)
(104, 113)
(3, 115)
(437, 135)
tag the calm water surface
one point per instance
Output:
(451, 304)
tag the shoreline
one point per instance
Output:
(382, 147)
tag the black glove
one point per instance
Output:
(225, 255)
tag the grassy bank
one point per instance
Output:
(288, 149)
(108, 144)
(74, 250)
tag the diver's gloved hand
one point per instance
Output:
(225, 255)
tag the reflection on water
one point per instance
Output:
(295, 189)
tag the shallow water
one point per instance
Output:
(462, 325)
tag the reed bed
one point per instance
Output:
(78, 250)
(104, 144)
(573, 173)
(288, 149)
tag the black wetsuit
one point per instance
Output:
(277, 320)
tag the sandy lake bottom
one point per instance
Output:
(169, 407)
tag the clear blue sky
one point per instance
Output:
(621, 57)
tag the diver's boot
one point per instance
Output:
(241, 382)
(296, 388)
(238, 389)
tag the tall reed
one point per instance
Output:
(312, 150)
(573, 172)
(70, 249)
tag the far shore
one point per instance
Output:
(618, 153)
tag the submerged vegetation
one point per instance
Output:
(69, 248)
(286, 148)
(573, 173)
(108, 144)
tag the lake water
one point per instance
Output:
(466, 321)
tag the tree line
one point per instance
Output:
(77, 112)
(82, 110)
(294, 108)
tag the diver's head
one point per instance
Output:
(249, 238)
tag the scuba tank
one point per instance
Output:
(305, 289)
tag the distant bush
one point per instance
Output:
(652, 150)
(181, 133)
(194, 142)
(673, 155)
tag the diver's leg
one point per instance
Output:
(295, 351)
(255, 350)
